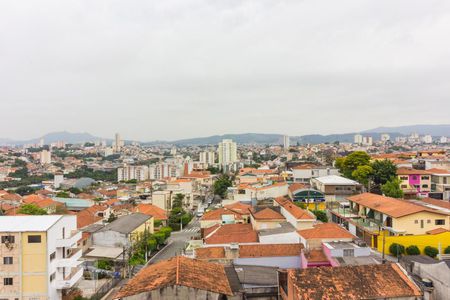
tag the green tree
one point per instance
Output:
(301, 205)
(392, 188)
(75, 190)
(447, 250)
(412, 250)
(221, 185)
(166, 230)
(63, 194)
(31, 209)
(353, 161)
(178, 200)
(396, 249)
(112, 218)
(25, 190)
(431, 251)
(320, 215)
(160, 238)
(362, 174)
(383, 171)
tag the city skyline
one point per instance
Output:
(158, 68)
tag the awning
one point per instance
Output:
(105, 252)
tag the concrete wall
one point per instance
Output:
(284, 262)
(282, 238)
(439, 274)
(179, 293)
(110, 239)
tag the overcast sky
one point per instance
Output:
(187, 68)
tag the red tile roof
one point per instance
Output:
(152, 210)
(440, 203)
(296, 186)
(210, 253)
(294, 210)
(180, 271)
(270, 250)
(232, 233)
(352, 282)
(390, 206)
(267, 214)
(437, 231)
(326, 231)
(409, 171)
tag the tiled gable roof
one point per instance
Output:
(294, 210)
(181, 271)
(352, 282)
(270, 250)
(326, 231)
(232, 233)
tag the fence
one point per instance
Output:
(105, 288)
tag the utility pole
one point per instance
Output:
(384, 245)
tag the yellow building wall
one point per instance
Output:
(408, 223)
(34, 264)
(420, 241)
(141, 229)
(320, 206)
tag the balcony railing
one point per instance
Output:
(70, 261)
(69, 241)
(70, 280)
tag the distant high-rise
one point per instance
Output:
(45, 157)
(227, 152)
(286, 142)
(41, 143)
(118, 143)
(443, 140)
(207, 157)
(358, 139)
(385, 137)
(427, 139)
(367, 141)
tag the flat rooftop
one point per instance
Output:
(27, 223)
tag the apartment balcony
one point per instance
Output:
(344, 212)
(368, 224)
(70, 280)
(69, 241)
(70, 261)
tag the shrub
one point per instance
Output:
(157, 223)
(166, 231)
(431, 251)
(320, 215)
(396, 249)
(412, 250)
(447, 250)
(104, 264)
(160, 237)
(301, 205)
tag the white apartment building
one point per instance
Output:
(40, 258)
(443, 140)
(118, 143)
(140, 173)
(385, 137)
(45, 157)
(227, 152)
(358, 139)
(286, 142)
(207, 157)
(163, 170)
(367, 141)
(427, 139)
(304, 173)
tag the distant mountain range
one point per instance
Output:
(249, 138)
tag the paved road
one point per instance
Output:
(177, 242)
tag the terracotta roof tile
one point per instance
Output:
(296, 186)
(326, 231)
(270, 250)
(316, 256)
(352, 282)
(294, 210)
(181, 271)
(409, 171)
(439, 171)
(440, 203)
(152, 210)
(390, 206)
(267, 214)
(210, 253)
(232, 233)
(437, 231)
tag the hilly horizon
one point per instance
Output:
(245, 138)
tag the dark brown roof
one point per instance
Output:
(181, 271)
(352, 282)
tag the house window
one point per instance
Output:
(404, 177)
(8, 239)
(404, 186)
(414, 177)
(425, 185)
(8, 281)
(428, 221)
(425, 177)
(52, 277)
(52, 256)
(34, 239)
(7, 260)
(416, 221)
(440, 222)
